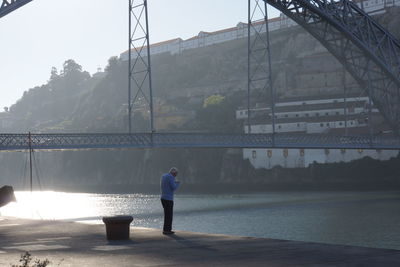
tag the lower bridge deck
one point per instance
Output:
(10, 142)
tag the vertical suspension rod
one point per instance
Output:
(149, 69)
(344, 101)
(129, 69)
(369, 105)
(248, 67)
(371, 130)
(30, 161)
(272, 93)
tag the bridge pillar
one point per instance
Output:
(140, 83)
(259, 60)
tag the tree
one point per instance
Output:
(217, 114)
(213, 100)
(70, 66)
(53, 74)
(112, 64)
(5, 109)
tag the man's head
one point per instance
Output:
(173, 171)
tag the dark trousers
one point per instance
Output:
(168, 206)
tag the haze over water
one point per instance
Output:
(350, 218)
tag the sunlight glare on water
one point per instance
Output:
(52, 205)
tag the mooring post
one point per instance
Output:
(30, 160)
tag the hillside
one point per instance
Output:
(75, 101)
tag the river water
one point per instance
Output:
(368, 219)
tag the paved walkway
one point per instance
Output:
(76, 244)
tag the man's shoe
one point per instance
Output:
(168, 232)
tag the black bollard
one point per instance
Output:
(117, 227)
(6, 195)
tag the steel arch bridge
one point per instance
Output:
(368, 52)
(8, 6)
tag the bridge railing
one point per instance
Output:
(192, 140)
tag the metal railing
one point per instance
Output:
(9, 142)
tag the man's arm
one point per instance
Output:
(173, 184)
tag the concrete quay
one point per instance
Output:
(78, 244)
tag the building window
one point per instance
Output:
(326, 113)
(322, 125)
(254, 154)
(317, 114)
(298, 125)
(297, 115)
(285, 152)
(307, 115)
(337, 112)
(286, 115)
(279, 127)
(340, 123)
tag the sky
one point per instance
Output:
(45, 33)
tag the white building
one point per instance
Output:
(312, 116)
(302, 158)
(177, 45)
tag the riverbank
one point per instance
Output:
(360, 175)
(77, 244)
(207, 175)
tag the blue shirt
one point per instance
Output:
(168, 186)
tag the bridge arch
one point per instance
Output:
(366, 50)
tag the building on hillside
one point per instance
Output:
(311, 116)
(99, 74)
(177, 45)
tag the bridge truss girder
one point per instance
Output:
(8, 6)
(367, 51)
(12, 142)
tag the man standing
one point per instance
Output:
(168, 186)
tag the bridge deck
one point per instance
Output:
(192, 140)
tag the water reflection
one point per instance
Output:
(51, 205)
(350, 218)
